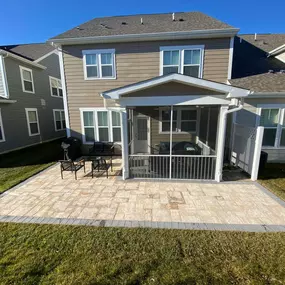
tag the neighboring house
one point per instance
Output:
(150, 82)
(259, 65)
(31, 104)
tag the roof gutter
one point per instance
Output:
(24, 60)
(259, 95)
(276, 51)
(214, 33)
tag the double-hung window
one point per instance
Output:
(55, 87)
(59, 120)
(32, 121)
(184, 120)
(99, 64)
(27, 80)
(100, 125)
(2, 136)
(187, 60)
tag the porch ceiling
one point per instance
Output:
(195, 87)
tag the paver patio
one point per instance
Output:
(47, 195)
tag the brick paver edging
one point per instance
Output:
(144, 224)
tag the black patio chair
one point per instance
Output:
(73, 166)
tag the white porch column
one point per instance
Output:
(257, 152)
(221, 143)
(125, 144)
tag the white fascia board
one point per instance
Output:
(232, 92)
(188, 100)
(277, 50)
(46, 55)
(259, 95)
(213, 33)
(4, 77)
(24, 60)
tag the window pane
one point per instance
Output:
(104, 134)
(57, 115)
(32, 116)
(166, 114)
(166, 127)
(188, 126)
(171, 57)
(34, 128)
(28, 86)
(116, 118)
(59, 83)
(106, 58)
(107, 71)
(188, 114)
(54, 91)
(168, 70)
(88, 119)
(91, 59)
(282, 140)
(92, 71)
(60, 92)
(58, 125)
(269, 137)
(102, 118)
(1, 134)
(116, 134)
(191, 71)
(269, 117)
(89, 134)
(196, 57)
(187, 56)
(27, 75)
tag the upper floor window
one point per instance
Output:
(27, 80)
(187, 60)
(2, 136)
(33, 121)
(55, 87)
(99, 64)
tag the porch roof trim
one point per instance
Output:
(230, 90)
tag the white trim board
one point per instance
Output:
(4, 77)
(231, 54)
(46, 55)
(231, 91)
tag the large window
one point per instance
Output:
(101, 125)
(99, 64)
(32, 121)
(272, 119)
(2, 136)
(59, 120)
(186, 60)
(27, 80)
(184, 120)
(55, 87)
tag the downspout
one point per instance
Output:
(222, 136)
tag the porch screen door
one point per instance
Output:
(141, 135)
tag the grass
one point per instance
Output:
(54, 254)
(273, 179)
(17, 166)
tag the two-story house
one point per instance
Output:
(31, 104)
(158, 84)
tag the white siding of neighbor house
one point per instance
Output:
(247, 117)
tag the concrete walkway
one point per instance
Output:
(46, 198)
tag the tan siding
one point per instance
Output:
(134, 62)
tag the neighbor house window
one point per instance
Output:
(55, 87)
(184, 120)
(2, 136)
(27, 79)
(186, 60)
(59, 120)
(100, 125)
(99, 64)
(32, 121)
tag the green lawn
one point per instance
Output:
(22, 164)
(273, 179)
(54, 254)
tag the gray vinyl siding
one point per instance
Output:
(247, 117)
(14, 116)
(135, 62)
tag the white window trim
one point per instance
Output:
(110, 123)
(28, 122)
(61, 117)
(279, 127)
(54, 78)
(22, 68)
(178, 125)
(98, 53)
(2, 128)
(181, 57)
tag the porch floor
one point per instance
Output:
(46, 195)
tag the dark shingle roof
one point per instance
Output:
(265, 42)
(152, 23)
(29, 51)
(266, 82)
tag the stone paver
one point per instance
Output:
(48, 198)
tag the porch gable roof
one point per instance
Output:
(232, 91)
